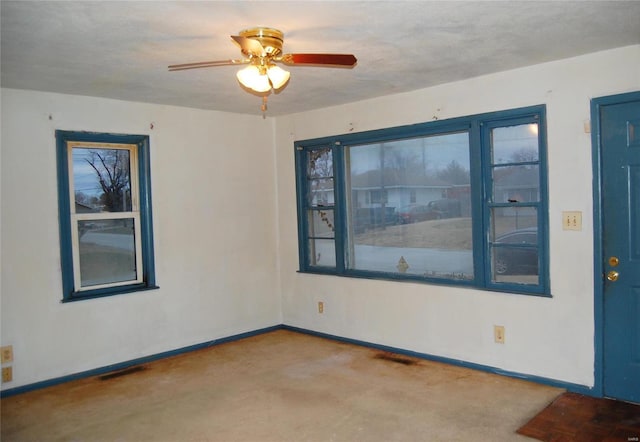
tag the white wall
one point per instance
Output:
(226, 241)
(552, 338)
(214, 209)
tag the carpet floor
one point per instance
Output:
(280, 386)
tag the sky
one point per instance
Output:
(85, 179)
(435, 152)
(438, 151)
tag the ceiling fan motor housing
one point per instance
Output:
(270, 39)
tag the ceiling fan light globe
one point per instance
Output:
(251, 78)
(247, 75)
(278, 76)
(262, 84)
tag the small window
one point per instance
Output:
(514, 203)
(319, 207)
(105, 214)
(459, 202)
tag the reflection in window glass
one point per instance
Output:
(410, 207)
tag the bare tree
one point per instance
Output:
(454, 173)
(112, 170)
(82, 198)
(524, 155)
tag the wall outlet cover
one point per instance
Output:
(6, 353)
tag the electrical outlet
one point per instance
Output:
(6, 353)
(7, 374)
(498, 334)
(572, 220)
(320, 307)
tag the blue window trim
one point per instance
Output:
(69, 293)
(478, 127)
(512, 118)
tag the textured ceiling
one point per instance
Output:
(121, 49)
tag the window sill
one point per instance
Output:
(93, 294)
(514, 289)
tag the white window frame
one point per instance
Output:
(134, 213)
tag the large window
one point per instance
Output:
(105, 214)
(459, 201)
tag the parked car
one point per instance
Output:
(517, 260)
(445, 208)
(414, 213)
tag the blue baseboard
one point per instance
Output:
(132, 362)
(576, 388)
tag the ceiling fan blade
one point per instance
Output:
(346, 60)
(249, 45)
(205, 64)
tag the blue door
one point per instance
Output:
(619, 130)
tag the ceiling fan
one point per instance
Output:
(262, 49)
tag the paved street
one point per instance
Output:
(115, 240)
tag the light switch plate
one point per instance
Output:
(572, 220)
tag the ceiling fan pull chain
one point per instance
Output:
(264, 106)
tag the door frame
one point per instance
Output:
(598, 258)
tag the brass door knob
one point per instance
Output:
(613, 275)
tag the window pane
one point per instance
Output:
(515, 265)
(514, 144)
(320, 192)
(322, 253)
(320, 163)
(516, 184)
(410, 208)
(505, 220)
(101, 180)
(321, 224)
(514, 245)
(107, 251)
(373, 217)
